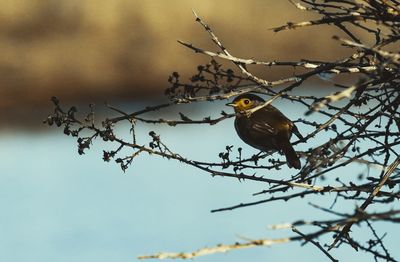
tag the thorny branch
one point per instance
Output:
(323, 227)
(358, 124)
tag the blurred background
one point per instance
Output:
(58, 206)
(87, 51)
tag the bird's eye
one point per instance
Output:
(246, 101)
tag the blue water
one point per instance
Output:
(59, 206)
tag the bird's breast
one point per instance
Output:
(249, 135)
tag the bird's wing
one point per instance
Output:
(295, 131)
(263, 127)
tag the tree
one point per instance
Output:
(362, 125)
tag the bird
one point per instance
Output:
(265, 129)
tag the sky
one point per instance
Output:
(59, 206)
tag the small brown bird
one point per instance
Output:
(265, 129)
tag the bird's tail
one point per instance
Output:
(291, 156)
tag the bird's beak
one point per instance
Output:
(231, 104)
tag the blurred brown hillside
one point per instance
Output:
(96, 50)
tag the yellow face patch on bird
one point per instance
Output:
(242, 104)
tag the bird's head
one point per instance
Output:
(245, 102)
